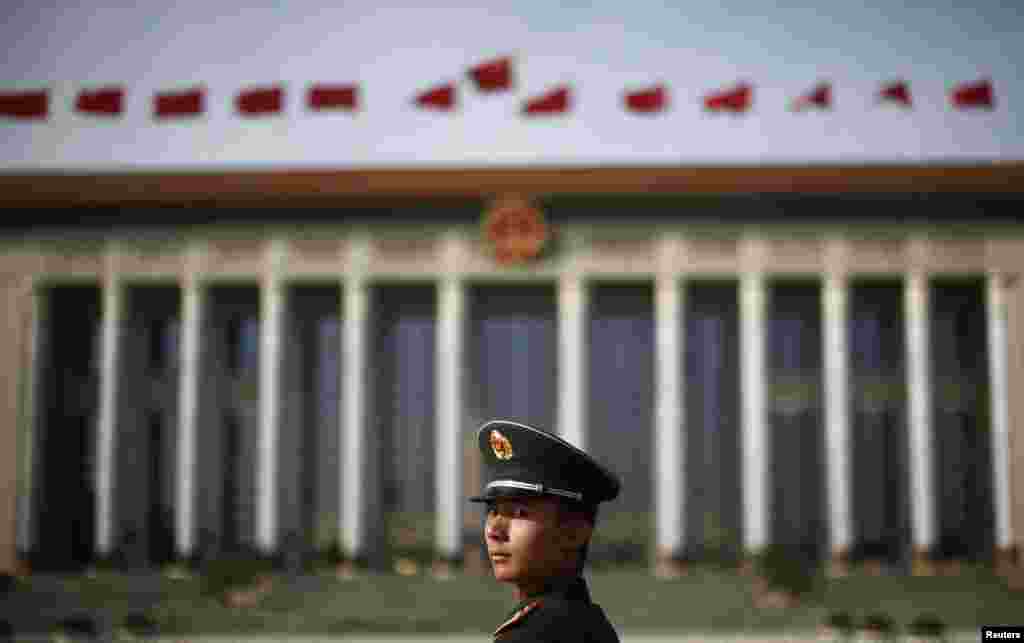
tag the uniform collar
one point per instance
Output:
(573, 588)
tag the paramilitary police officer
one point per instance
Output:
(542, 495)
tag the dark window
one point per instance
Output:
(243, 343)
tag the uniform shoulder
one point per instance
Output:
(558, 619)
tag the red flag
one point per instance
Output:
(977, 94)
(819, 97)
(260, 101)
(33, 104)
(493, 75)
(183, 103)
(106, 101)
(555, 101)
(896, 92)
(654, 99)
(441, 97)
(333, 96)
(736, 100)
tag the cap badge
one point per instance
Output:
(500, 445)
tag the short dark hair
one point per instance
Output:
(587, 512)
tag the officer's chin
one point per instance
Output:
(503, 570)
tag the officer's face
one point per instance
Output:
(525, 541)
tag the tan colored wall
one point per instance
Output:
(1015, 375)
(12, 323)
(8, 428)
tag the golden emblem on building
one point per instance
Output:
(515, 230)
(501, 446)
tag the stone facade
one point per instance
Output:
(360, 256)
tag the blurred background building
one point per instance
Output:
(243, 332)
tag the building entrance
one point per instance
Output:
(713, 501)
(881, 509)
(68, 372)
(229, 417)
(309, 500)
(796, 439)
(963, 456)
(147, 420)
(619, 413)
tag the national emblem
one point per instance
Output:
(515, 229)
(501, 446)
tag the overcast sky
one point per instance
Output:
(396, 49)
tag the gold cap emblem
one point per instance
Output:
(500, 445)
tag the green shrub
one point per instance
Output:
(141, 623)
(721, 546)
(842, 622)
(410, 535)
(927, 626)
(786, 568)
(237, 570)
(881, 623)
(328, 557)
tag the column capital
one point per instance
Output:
(670, 254)
(1005, 279)
(359, 253)
(836, 255)
(753, 253)
(454, 249)
(918, 254)
(194, 258)
(276, 256)
(111, 259)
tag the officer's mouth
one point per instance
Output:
(499, 558)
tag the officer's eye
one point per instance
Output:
(518, 511)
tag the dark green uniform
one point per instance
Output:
(563, 613)
(522, 460)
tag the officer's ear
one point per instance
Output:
(576, 529)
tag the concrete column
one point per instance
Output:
(355, 311)
(188, 402)
(837, 413)
(670, 436)
(113, 299)
(752, 367)
(271, 326)
(450, 391)
(919, 393)
(998, 351)
(449, 363)
(572, 331)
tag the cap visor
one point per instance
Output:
(505, 492)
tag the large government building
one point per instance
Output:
(800, 357)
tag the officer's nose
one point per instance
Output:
(496, 528)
